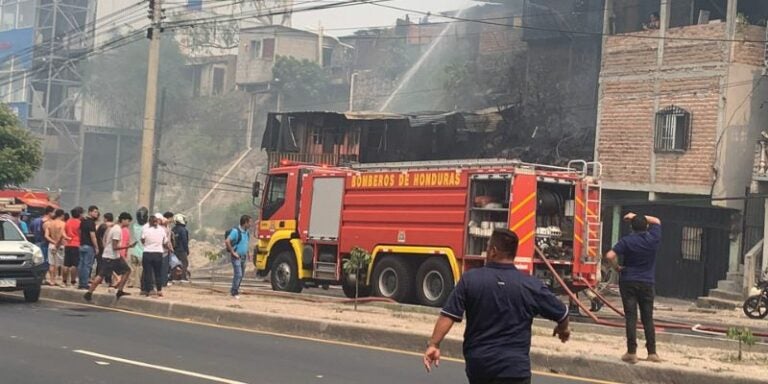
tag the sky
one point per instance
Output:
(337, 20)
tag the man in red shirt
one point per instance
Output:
(72, 247)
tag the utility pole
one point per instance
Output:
(156, 160)
(150, 106)
(320, 32)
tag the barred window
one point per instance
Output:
(673, 130)
(691, 244)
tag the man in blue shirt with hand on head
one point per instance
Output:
(637, 279)
(500, 303)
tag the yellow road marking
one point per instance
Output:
(305, 338)
(158, 367)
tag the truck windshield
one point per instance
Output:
(10, 232)
(275, 197)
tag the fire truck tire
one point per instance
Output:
(349, 289)
(434, 282)
(393, 279)
(285, 273)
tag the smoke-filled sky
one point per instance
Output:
(337, 21)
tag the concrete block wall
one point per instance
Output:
(691, 74)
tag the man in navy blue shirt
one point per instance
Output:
(500, 303)
(637, 280)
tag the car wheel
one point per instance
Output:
(32, 294)
(434, 282)
(285, 273)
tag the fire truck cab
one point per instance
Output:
(425, 223)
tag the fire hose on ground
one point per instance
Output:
(697, 328)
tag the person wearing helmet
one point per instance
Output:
(181, 244)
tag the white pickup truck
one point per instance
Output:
(21, 263)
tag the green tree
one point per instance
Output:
(357, 262)
(303, 83)
(743, 336)
(20, 152)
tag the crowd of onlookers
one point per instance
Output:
(83, 248)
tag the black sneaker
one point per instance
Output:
(88, 296)
(120, 294)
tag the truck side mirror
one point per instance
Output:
(256, 189)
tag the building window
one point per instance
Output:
(255, 49)
(26, 14)
(317, 136)
(218, 81)
(691, 243)
(327, 56)
(195, 72)
(268, 49)
(9, 14)
(673, 130)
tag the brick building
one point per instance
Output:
(679, 110)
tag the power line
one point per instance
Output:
(231, 178)
(208, 188)
(205, 180)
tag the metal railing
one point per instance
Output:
(761, 159)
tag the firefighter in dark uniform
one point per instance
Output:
(500, 303)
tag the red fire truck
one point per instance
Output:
(35, 201)
(424, 223)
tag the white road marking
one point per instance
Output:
(159, 367)
(101, 363)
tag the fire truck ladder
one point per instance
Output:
(593, 226)
(591, 172)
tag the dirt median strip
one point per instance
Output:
(553, 361)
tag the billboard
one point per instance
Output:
(19, 43)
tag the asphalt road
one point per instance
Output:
(64, 343)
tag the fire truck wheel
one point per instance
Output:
(285, 274)
(393, 279)
(349, 289)
(434, 282)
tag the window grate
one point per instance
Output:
(673, 130)
(691, 243)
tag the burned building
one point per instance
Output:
(336, 138)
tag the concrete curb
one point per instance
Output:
(592, 367)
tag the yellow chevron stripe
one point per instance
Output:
(580, 221)
(527, 237)
(523, 221)
(523, 203)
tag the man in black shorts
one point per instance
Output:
(113, 263)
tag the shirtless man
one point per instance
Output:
(53, 231)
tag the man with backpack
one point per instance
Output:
(236, 242)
